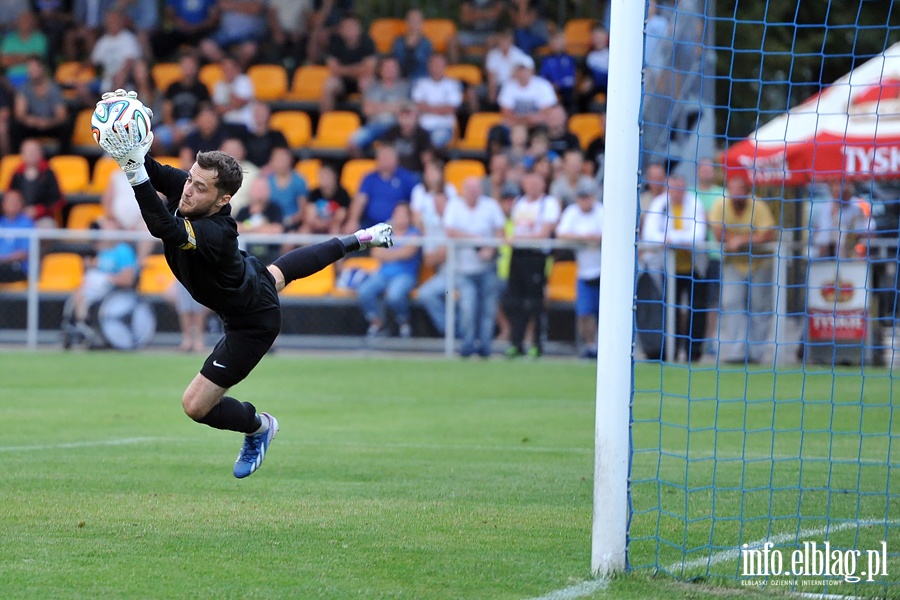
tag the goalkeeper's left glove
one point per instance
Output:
(123, 145)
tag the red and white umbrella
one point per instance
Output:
(851, 129)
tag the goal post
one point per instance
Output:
(618, 256)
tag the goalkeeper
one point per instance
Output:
(199, 237)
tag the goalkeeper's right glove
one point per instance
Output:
(122, 144)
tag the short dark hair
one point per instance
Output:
(229, 175)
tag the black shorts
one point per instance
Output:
(248, 337)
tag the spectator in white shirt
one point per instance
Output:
(677, 221)
(526, 98)
(422, 197)
(500, 62)
(115, 52)
(438, 98)
(233, 95)
(534, 217)
(583, 222)
(475, 216)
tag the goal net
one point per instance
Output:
(765, 443)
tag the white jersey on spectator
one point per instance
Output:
(241, 87)
(575, 221)
(536, 95)
(112, 51)
(446, 92)
(503, 65)
(484, 220)
(528, 216)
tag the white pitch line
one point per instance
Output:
(579, 590)
(781, 538)
(94, 443)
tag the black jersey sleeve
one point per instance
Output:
(167, 180)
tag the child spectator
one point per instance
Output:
(44, 202)
(261, 215)
(13, 251)
(287, 187)
(596, 66)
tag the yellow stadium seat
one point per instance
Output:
(561, 283)
(103, 170)
(308, 83)
(334, 130)
(61, 272)
(270, 82)
(578, 36)
(353, 172)
(439, 32)
(82, 138)
(384, 31)
(72, 74)
(317, 284)
(156, 276)
(468, 74)
(82, 215)
(72, 171)
(210, 74)
(165, 74)
(587, 127)
(309, 169)
(295, 125)
(456, 171)
(8, 166)
(172, 161)
(476, 134)
(13, 286)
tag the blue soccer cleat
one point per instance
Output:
(254, 450)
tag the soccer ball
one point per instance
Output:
(119, 109)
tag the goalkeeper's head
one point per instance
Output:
(212, 181)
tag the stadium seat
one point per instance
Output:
(13, 286)
(82, 215)
(353, 172)
(156, 277)
(210, 74)
(61, 272)
(456, 171)
(171, 161)
(72, 171)
(317, 284)
(165, 74)
(82, 138)
(8, 166)
(295, 125)
(561, 283)
(439, 32)
(586, 126)
(309, 169)
(578, 36)
(476, 134)
(334, 130)
(384, 31)
(270, 82)
(103, 170)
(468, 74)
(72, 74)
(308, 83)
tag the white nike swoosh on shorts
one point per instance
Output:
(218, 364)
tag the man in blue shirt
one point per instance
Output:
(380, 191)
(13, 251)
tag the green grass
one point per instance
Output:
(397, 478)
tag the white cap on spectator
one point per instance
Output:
(523, 60)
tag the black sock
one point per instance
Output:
(305, 261)
(232, 415)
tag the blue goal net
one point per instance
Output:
(765, 442)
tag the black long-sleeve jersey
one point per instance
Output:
(203, 252)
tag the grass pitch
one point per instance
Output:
(390, 478)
